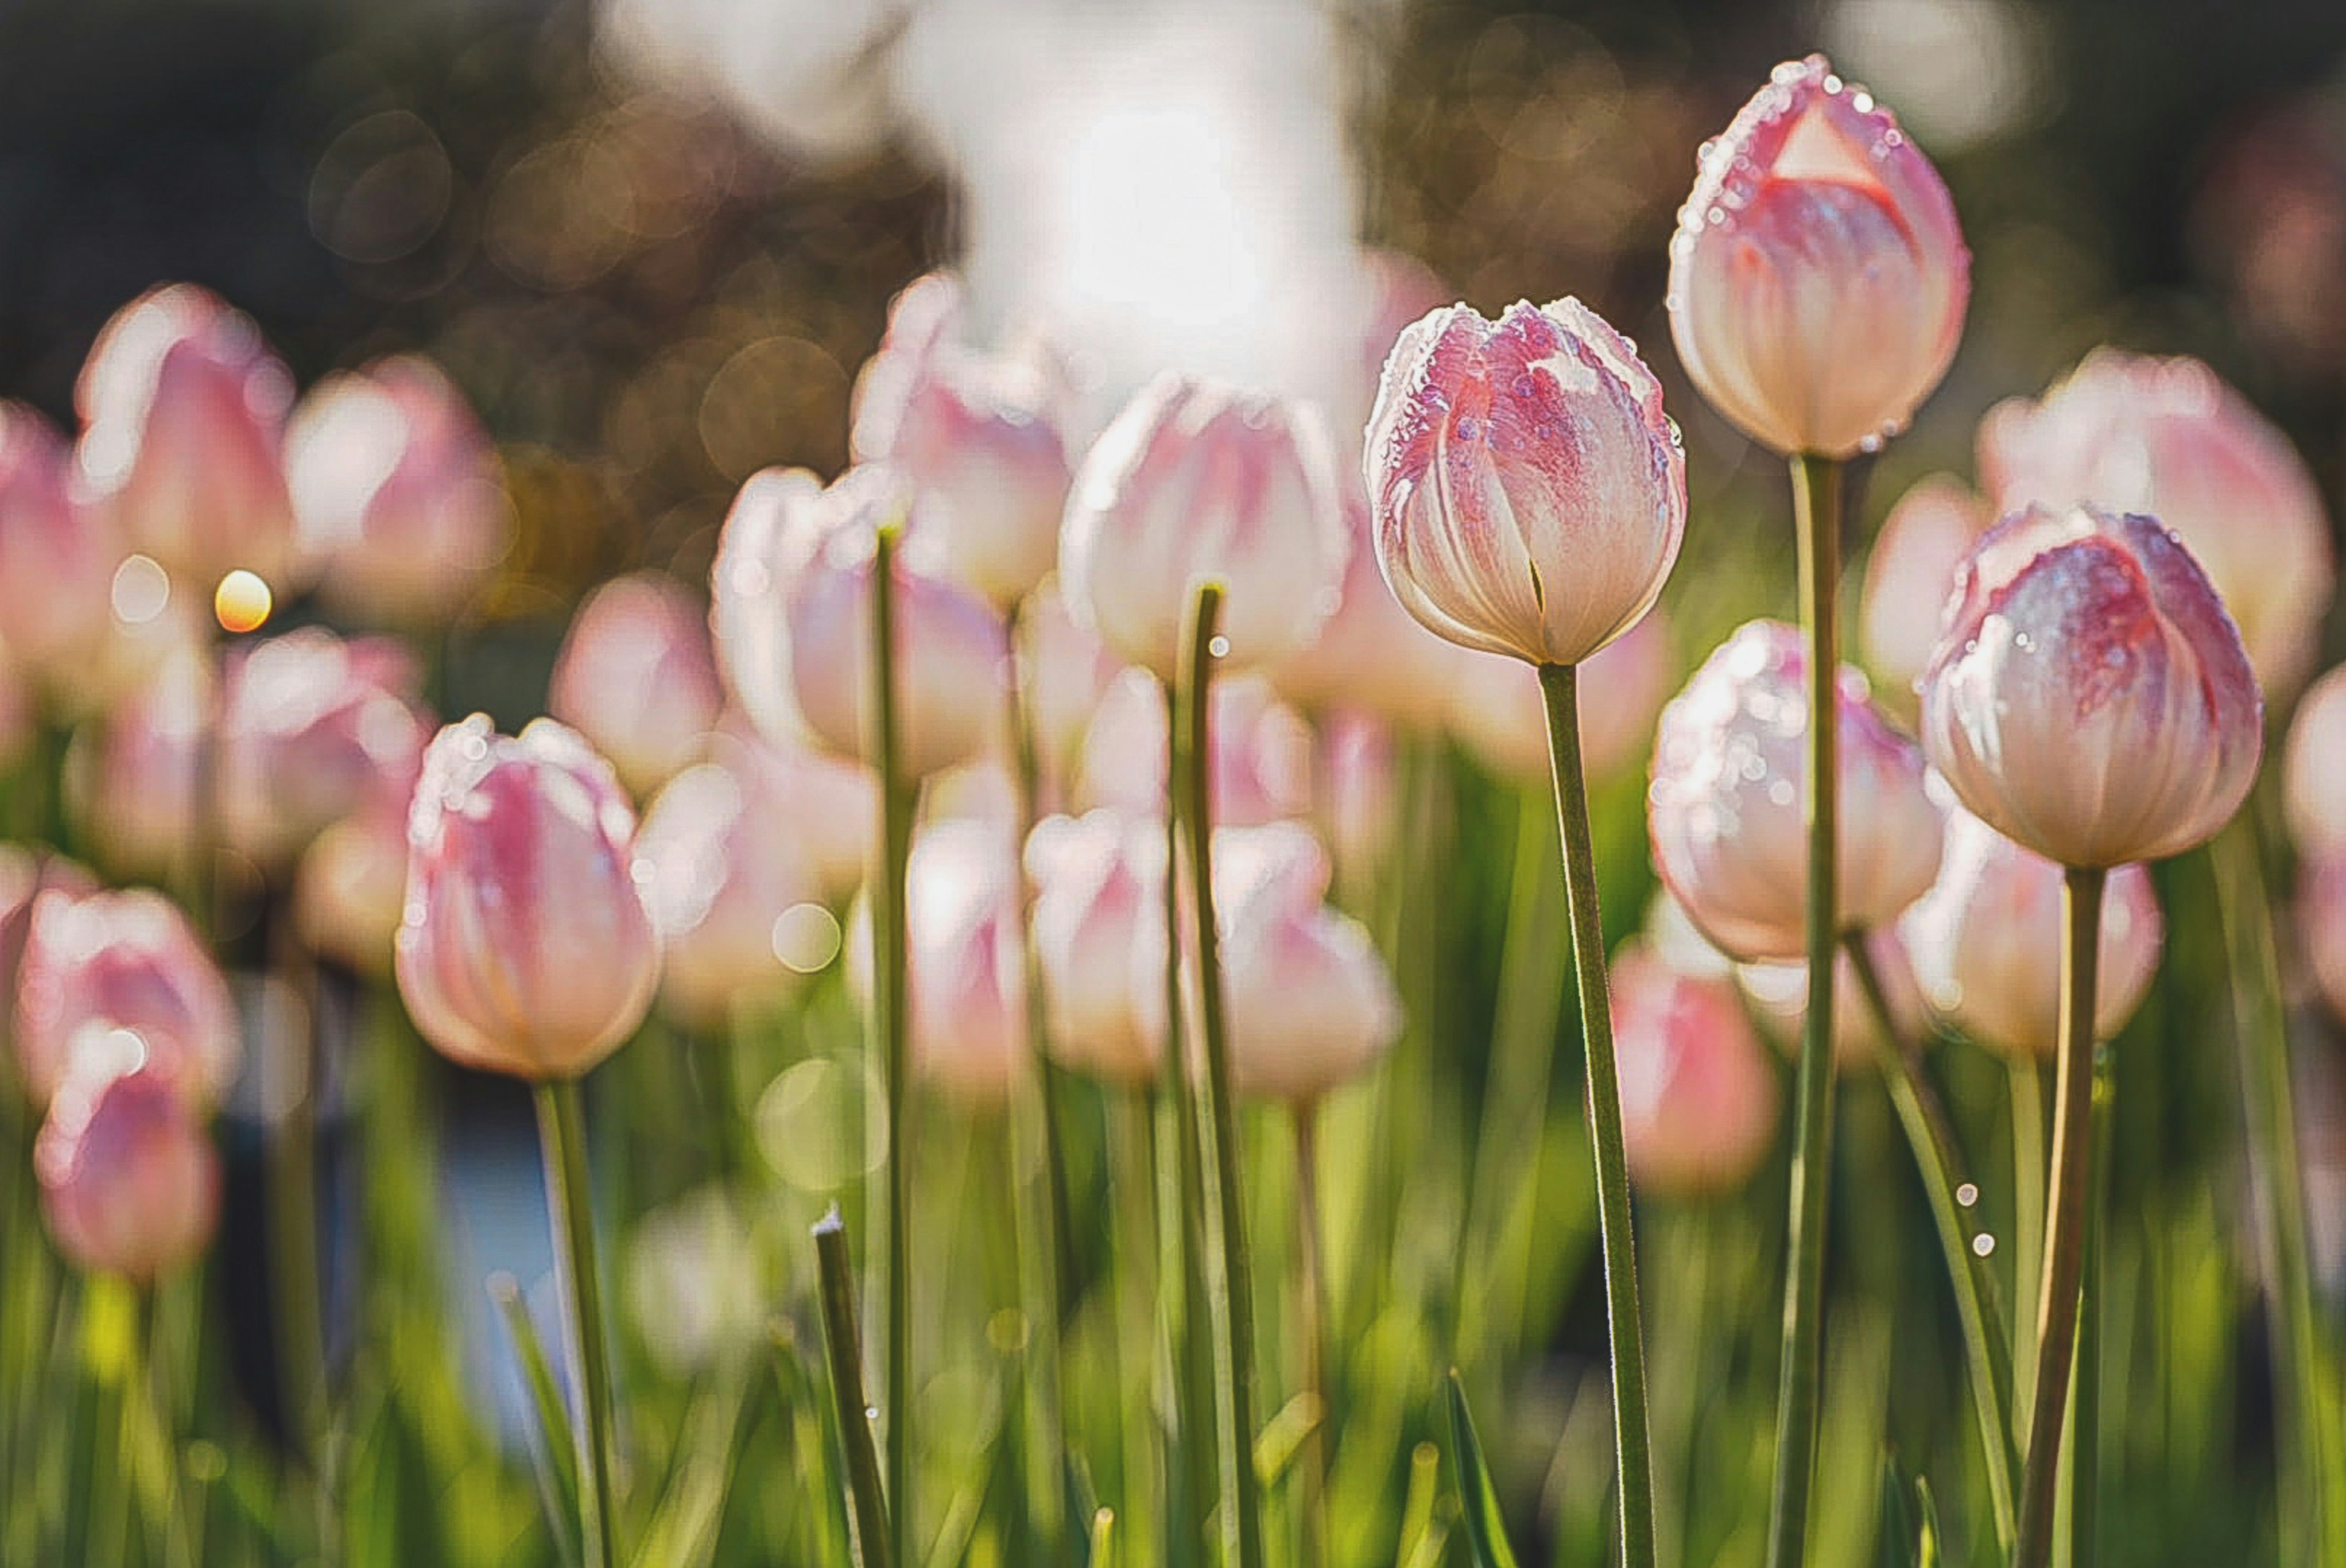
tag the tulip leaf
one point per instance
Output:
(1487, 1530)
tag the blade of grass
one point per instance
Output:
(550, 1456)
(1478, 1502)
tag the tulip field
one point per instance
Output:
(1196, 910)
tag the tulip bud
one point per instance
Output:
(1195, 482)
(2312, 764)
(1261, 752)
(57, 558)
(138, 794)
(1499, 713)
(1099, 941)
(1359, 804)
(1726, 811)
(1986, 942)
(966, 967)
(396, 490)
(773, 528)
(830, 806)
(1528, 492)
(183, 413)
(525, 947)
(1910, 572)
(1372, 654)
(2168, 439)
(98, 965)
(309, 726)
(1818, 278)
(1400, 290)
(2089, 695)
(1778, 990)
(350, 891)
(637, 678)
(2322, 925)
(24, 876)
(129, 1183)
(1699, 1103)
(1065, 672)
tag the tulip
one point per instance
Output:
(1699, 1103)
(1910, 572)
(129, 1183)
(396, 490)
(1359, 805)
(183, 412)
(526, 947)
(2168, 439)
(966, 961)
(1780, 993)
(1401, 290)
(1066, 673)
(2315, 806)
(1986, 942)
(1731, 770)
(2322, 923)
(2090, 698)
(98, 965)
(349, 891)
(25, 875)
(1261, 752)
(767, 537)
(1528, 492)
(1372, 654)
(1818, 278)
(829, 806)
(1098, 931)
(58, 556)
(308, 726)
(139, 793)
(637, 678)
(1195, 482)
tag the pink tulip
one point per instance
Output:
(775, 526)
(310, 727)
(1372, 654)
(96, 965)
(129, 1183)
(967, 964)
(1778, 990)
(2090, 696)
(525, 947)
(139, 798)
(57, 558)
(1196, 482)
(1730, 777)
(1819, 277)
(830, 806)
(1099, 941)
(1402, 289)
(396, 489)
(1909, 572)
(637, 678)
(1986, 942)
(350, 891)
(1699, 1103)
(25, 875)
(1261, 752)
(2311, 767)
(183, 415)
(2321, 926)
(2168, 439)
(1358, 803)
(1065, 673)
(1528, 492)
(1497, 711)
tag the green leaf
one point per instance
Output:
(552, 1458)
(1487, 1530)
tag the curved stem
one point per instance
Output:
(2086, 1409)
(2065, 1223)
(1632, 1443)
(1311, 1299)
(562, 1129)
(1189, 1476)
(1937, 1162)
(1234, 1302)
(890, 1008)
(1816, 496)
(867, 1505)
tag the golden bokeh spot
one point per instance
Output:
(242, 602)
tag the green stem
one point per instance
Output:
(867, 1503)
(1234, 1298)
(1311, 1310)
(562, 1129)
(1938, 1163)
(2086, 1408)
(2027, 1098)
(1633, 1446)
(1816, 496)
(891, 1037)
(2065, 1223)
(1190, 1469)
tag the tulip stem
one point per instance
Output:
(562, 1130)
(1311, 1308)
(2027, 1093)
(2064, 1220)
(889, 1019)
(1816, 498)
(2086, 1409)
(1632, 1443)
(1938, 1162)
(867, 1505)
(1234, 1303)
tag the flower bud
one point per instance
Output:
(2322, 925)
(1528, 492)
(773, 528)
(1778, 990)
(2168, 439)
(1699, 1103)
(1195, 482)
(831, 805)
(1372, 654)
(1358, 798)
(309, 726)
(139, 789)
(1261, 752)
(1909, 575)
(350, 891)
(1818, 278)
(1727, 810)
(396, 490)
(1499, 713)
(183, 415)
(525, 947)
(966, 967)
(99, 965)
(2313, 762)
(637, 678)
(1986, 942)
(1099, 941)
(57, 558)
(129, 1183)
(2090, 696)
(1065, 672)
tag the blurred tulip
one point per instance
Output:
(1528, 492)
(129, 1183)
(1778, 990)
(25, 875)
(1402, 289)
(2089, 695)
(1730, 774)
(20, 713)
(57, 558)
(1986, 942)
(183, 415)
(1065, 673)
(1372, 654)
(138, 789)
(525, 947)
(96, 965)
(1261, 752)
(309, 726)
(396, 490)
(349, 891)
(767, 537)
(1099, 940)
(1818, 278)
(637, 677)
(2168, 439)
(1698, 1103)
(2312, 766)
(2321, 926)
(1909, 575)
(1196, 482)
(829, 806)
(967, 963)
(1497, 711)
(1358, 795)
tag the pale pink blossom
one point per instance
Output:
(1098, 928)
(2313, 767)
(140, 786)
(1372, 654)
(310, 727)
(1498, 711)
(58, 556)
(1064, 674)
(1778, 991)
(1261, 752)
(129, 1183)
(99, 967)
(965, 960)
(1699, 1101)
(1909, 575)
(350, 891)
(637, 678)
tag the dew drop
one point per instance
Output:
(1469, 428)
(1219, 647)
(1983, 1244)
(1871, 443)
(871, 1412)
(1967, 1194)
(1862, 101)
